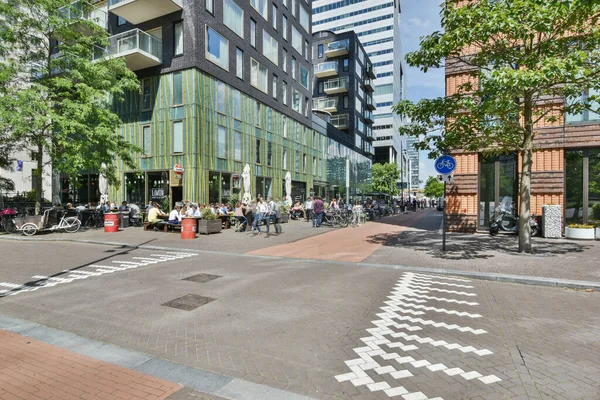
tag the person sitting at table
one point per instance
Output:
(193, 211)
(124, 206)
(240, 210)
(175, 216)
(155, 214)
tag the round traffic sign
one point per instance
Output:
(445, 165)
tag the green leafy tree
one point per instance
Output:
(433, 187)
(385, 178)
(529, 52)
(60, 101)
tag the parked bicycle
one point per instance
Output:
(31, 225)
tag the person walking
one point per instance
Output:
(308, 209)
(277, 213)
(318, 208)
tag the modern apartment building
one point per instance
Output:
(225, 84)
(377, 25)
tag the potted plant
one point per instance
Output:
(580, 231)
(285, 213)
(210, 223)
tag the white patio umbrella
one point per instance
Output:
(247, 197)
(288, 188)
(103, 185)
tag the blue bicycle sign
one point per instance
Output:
(445, 165)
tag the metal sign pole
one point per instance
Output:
(444, 221)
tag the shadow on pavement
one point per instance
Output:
(425, 235)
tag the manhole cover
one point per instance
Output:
(201, 278)
(188, 302)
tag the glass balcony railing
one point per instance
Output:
(340, 121)
(370, 71)
(328, 68)
(138, 11)
(368, 85)
(368, 116)
(81, 10)
(325, 104)
(370, 103)
(140, 49)
(337, 48)
(338, 85)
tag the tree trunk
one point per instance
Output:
(525, 189)
(39, 173)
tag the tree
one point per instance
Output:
(433, 187)
(61, 100)
(385, 178)
(531, 55)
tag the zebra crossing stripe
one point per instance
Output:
(396, 303)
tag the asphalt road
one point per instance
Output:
(318, 328)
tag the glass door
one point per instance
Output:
(497, 188)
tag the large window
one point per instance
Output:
(261, 7)
(221, 141)
(210, 6)
(178, 38)
(274, 16)
(384, 89)
(585, 115)
(217, 48)
(258, 76)
(237, 103)
(304, 20)
(296, 101)
(253, 33)
(284, 27)
(297, 41)
(304, 76)
(233, 17)
(274, 86)
(221, 97)
(582, 175)
(239, 63)
(284, 93)
(285, 127)
(147, 95)
(147, 137)
(178, 137)
(284, 60)
(293, 68)
(269, 154)
(270, 48)
(177, 89)
(257, 152)
(237, 145)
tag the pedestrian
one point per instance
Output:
(277, 212)
(356, 213)
(308, 209)
(318, 208)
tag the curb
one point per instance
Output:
(485, 276)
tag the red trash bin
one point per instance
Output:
(188, 228)
(111, 222)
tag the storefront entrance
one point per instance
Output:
(223, 187)
(582, 176)
(498, 187)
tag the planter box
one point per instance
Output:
(579, 233)
(206, 227)
(285, 218)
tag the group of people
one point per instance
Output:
(258, 212)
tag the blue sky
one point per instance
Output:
(420, 18)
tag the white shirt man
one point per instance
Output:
(175, 216)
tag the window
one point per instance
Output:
(147, 139)
(314, 171)
(210, 6)
(237, 145)
(304, 76)
(261, 7)
(304, 19)
(274, 86)
(384, 89)
(293, 68)
(233, 17)
(257, 114)
(304, 163)
(237, 103)
(146, 94)
(284, 28)
(320, 88)
(177, 89)
(306, 47)
(269, 119)
(306, 107)
(345, 65)
(297, 163)
(269, 154)
(270, 48)
(121, 21)
(284, 60)
(257, 160)
(358, 71)
(293, 8)
(258, 76)
(178, 45)
(221, 100)
(584, 115)
(296, 101)
(285, 127)
(284, 159)
(239, 63)
(284, 93)
(320, 52)
(217, 48)
(253, 33)
(178, 137)
(296, 39)
(221, 141)
(346, 99)
(274, 16)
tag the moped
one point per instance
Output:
(508, 222)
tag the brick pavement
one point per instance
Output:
(31, 370)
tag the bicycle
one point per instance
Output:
(69, 224)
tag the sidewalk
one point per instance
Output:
(30, 369)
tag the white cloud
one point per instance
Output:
(418, 23)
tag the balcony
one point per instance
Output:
(138, 11)
(370, 104)
(325, 104)
(368, 85)
(369, 133)
(338, 85)
(140, 49)
(368, 115)
(340, 121)
(370, 71)
(82, 11)
(336, 49)
(325, 69)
